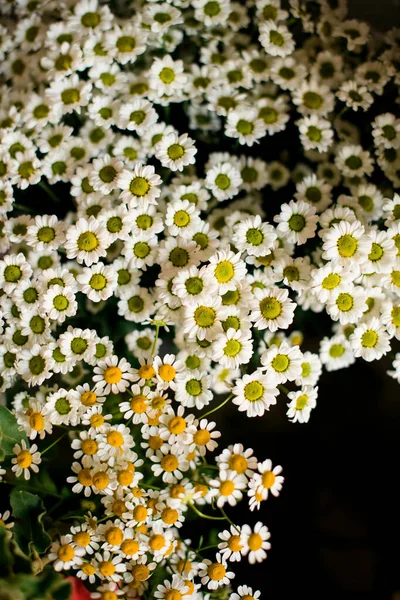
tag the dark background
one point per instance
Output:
(335, 528)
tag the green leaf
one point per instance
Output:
(47, 584)
(6, 557)
(9, 433)
(28, 511)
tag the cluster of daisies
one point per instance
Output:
(176, 213)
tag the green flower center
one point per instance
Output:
(280, 363)
(347, 245)
(212, 9)
(60, 302)
(135, 304)
(194, 285)
(244, 127)
(87, 241)
(114, 224)
(353, 162)
(98, 281)
(369, 339)
(139, 186)
(205, 316)
(270, 308)
(276, 38)
(224, 271)
(167, 75)
(376, 252)
(313, 194)
(12, 273)
(345, 302)
(193, 387)
(62, 406)
(46, 234)
(141, 249)
(37, 365)
(137, 116)
(107, 174)
(30, 295)
(37, 324)
(296, 223)
(222, 181)
(79, 345)
(336, 350)
(90, 19)
(314, 133)
(395, 277)
(41, 111)
(179, 257)
(232, 348)
(331, 281)
(126, 43)
(312, 100)
(291, 273)
(301, 402)
(26, 169)
(175, 151)
(143, 343)
(253, 391)
(70, 96)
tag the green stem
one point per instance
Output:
(54, 443)
(216, 408)
(155, 340)
(147, 485)
(49, 191)
(229, 520)
(283, 389)
(206, 548)
(24, 208)
(200, 514)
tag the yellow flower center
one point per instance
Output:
(141, 572)
(101, 480)
(89, 447)
(235, 544)
(169, 463)
(216, 571)
(114, 536)
(96, 420)
(125, 477)
(82, 538)
(36, 421)
(140, 513)
(146, 372)
(88, 398)
(347, 245)
(157, 542)
(167, 372)
(253, 391)
(169, 516)
(301, 402)
(268, 479)
(108, 595)
(226, 488)
(255, 541)
(139, 404)
(202, 437)
(24, 459)
(106, 568)
(66, 553)
(173, 595)
(224, 271)
(129, 547)
(270, 308)
(177, 425)
(118, 507)
(85, 477)
(115, 439)
(238, 463)
(88, 569)
(112, 375)
(155, 442)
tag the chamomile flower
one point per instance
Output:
(167, 76)
(244, 591)
(232, 349)
(244, 124)
(223, 180)
(26, 460)
(112, 375)
(269, 479)
(301, 404)
(232, 545)
(370, 340)
(256, 542)
(141, 183)
(345, 243)
(282, 363)
(59, 303)
(254, 394)
(87, 241)
(176, 152)
(271, 308)
(215, 574)
(336, 353)
(65, 555)
(276, 38)
(297, 221)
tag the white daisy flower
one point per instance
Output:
(301, 404)
(254, 393)
(26, 460)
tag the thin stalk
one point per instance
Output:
(216, 408)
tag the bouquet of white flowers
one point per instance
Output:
(182, 185)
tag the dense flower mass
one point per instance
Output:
(183, 184)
